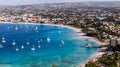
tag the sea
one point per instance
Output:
(39, 45)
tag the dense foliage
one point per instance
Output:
(110, 59)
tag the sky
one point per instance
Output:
(26, 2)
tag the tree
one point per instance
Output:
(42, 22)
(91, 64)
(77, 24)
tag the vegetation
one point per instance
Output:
(42, 22)
(110, 59)
(91, 64)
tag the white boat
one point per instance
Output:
(48, 39)
(60, 45)
(3, 40)
(37, 31)
(59, 32)
(38, 41)
(11, 26)
(36, 28)
(39, 46)
(17, 49)
(33, 48)
(16, 28)
(13, 42)
(26, 26)
(41, 40)
(88, 45)
(28, 42)
(62, 42)
(22, 47)
(8, 27)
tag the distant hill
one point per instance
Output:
(75, 4)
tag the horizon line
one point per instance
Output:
(54, 3)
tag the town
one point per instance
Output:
(102, 21)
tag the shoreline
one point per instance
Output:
(95, 55)
(79, 31)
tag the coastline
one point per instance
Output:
(93, 57)
(97, 54)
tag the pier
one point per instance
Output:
(90, 46)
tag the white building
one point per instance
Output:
(118, 41)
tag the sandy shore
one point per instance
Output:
(96, 55)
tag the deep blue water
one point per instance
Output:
(63, 49)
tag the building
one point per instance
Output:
(113, 42)
(118, 41)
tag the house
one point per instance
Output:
(113, 42)
(118, 41)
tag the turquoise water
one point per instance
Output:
(47, 45)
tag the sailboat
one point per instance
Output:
(11, 26)
(39, 46)
(62, 42)
(33, 48)
(88, 45)
(60, 45)
(59, 32)
(41, 40)
(27, 42)
(48, 39)
(16, 28)
(37, 31)
(8, 27)
(38, 41)
(22, 47)
(17, 49)
(13, 42)
(3, 39)
(36, 28)
(26, 26)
